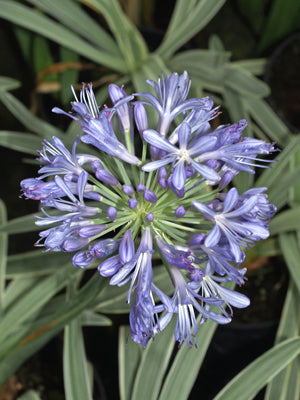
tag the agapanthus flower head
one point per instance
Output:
(124, 208)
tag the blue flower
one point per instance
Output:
(178, 157)
(171, 99)
(235, 223)
(184, 303)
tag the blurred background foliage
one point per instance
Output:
(232, 50)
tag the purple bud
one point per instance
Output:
(178, 258)
(179, 193)
(74, 244)
(132, 203)
(141, 187)
(126, 249)
(112, 213)
(196, 275)
(226, 179)
(91, 230)
(96, 164)
(180, 212)
(155, 152)
(110, 266)
(120, 100)
(150, 196)
(150, 217)
(141, 119)
(128, 189)
(161, 177)
(189, 171)
(213, 163)
(92, 196)
(197, 239)
(106, 177)
(82, 259)
(104, 248)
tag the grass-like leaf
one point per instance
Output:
(75, 365)
(286, 385)
(188, 18)
(291, 251)
(129, 355)
(3, 254)
(186, 365)
(27, 343)
(36, 22)
(255, 376)
(7, 83)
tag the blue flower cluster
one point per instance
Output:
(126, 203)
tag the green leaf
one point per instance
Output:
(291, 252)
(270, 177)
(244, 83)
(188, 18)
(186, 365)
(256, 375)
(17, 288)
(3, 254)
(21, 225)
(283, 19)
(70, 14)
(29, 395)
(42, 57)
(268, 120)
(285, 221)
(279, 194)
(286, 385)
(46, 328)
(34, 124)
(75, 366)
(20, 141)
(36, 22)
(130, 41)
(255, 66)
(153, 365)
(7, 83)
(34, 300)
(205, 64)
(35, 263)
(129, 355)
(91, 318)
(68, 77)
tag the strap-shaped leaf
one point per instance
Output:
(3, 254)
(244, 82)
(7, 83)
(27, 343)
(34, 124)
(129, 356)
(75, 365)
(35, 263)
(286, 385)
(285, 221)
(20, 141)
(130, 41)
(36, 22)
(254, 377)
(270, 177)
(186, 365)
(29, 395)
(262, 113)
(291, 252)
(188, 18)
(153, 365)
(70, 14)
(34, 300)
